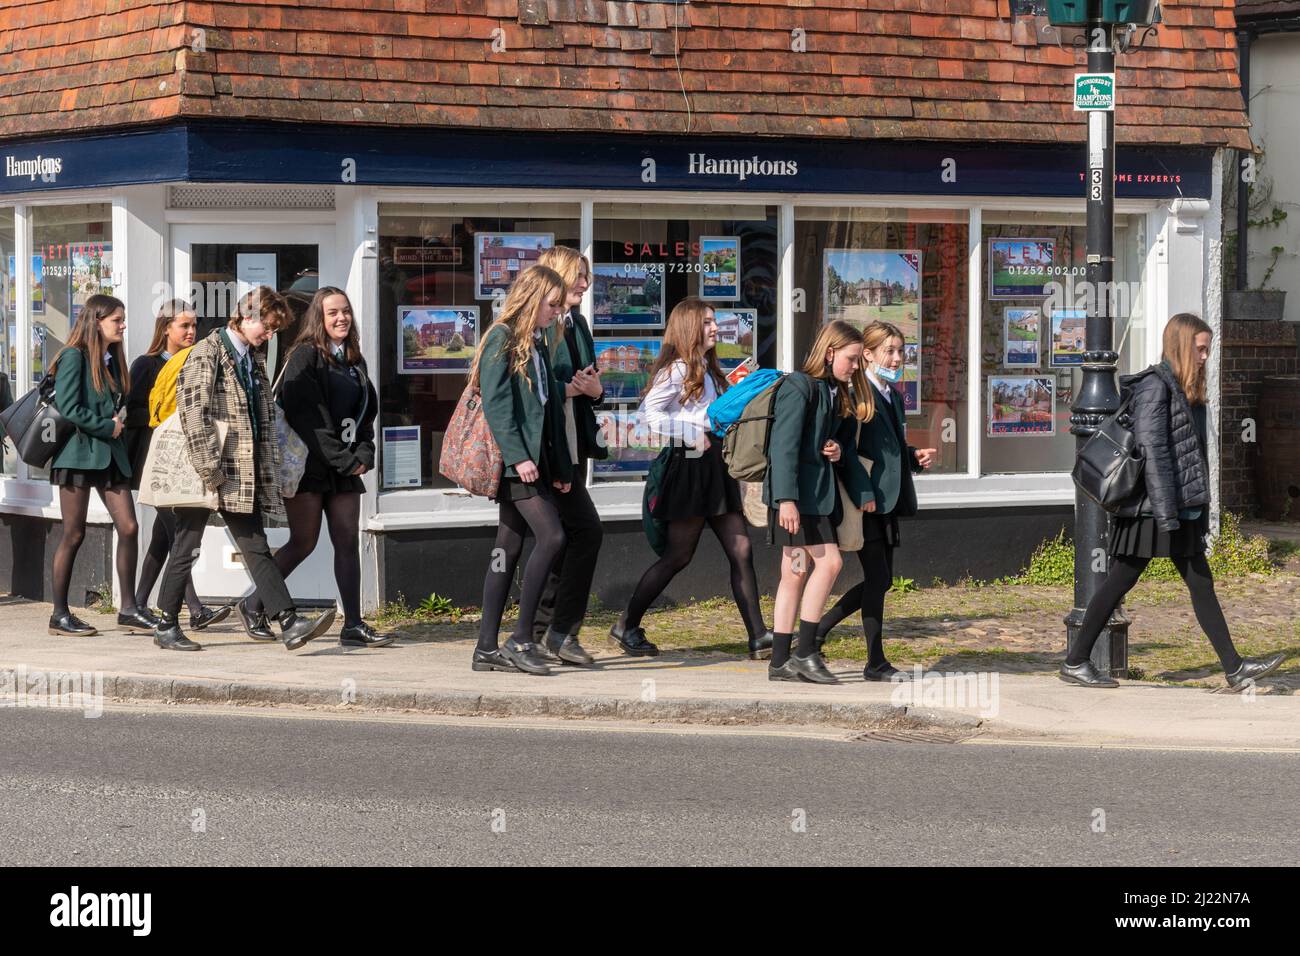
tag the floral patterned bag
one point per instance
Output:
(470, 456)
(293, 450)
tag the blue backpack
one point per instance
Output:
(742, 416)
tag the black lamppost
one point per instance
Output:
(1103, 21)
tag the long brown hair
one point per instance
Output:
(684, 339)
(528, 293)
(856, 401)
(165, 316)
(86, 337)
(1179, 347)
(313, 333)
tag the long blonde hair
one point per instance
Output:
(856, 401)
(684, 339)
(568, 262)
(528, 293)
(1179, 347)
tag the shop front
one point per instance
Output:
(976, 251)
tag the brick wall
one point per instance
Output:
(1251, 352)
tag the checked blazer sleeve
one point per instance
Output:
(194, 390)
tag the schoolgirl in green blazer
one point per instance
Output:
(91, 381)
(523, 403)
(882, 440)
(811, 439)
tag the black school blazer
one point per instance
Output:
(312, 395)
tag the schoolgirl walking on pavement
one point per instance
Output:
(523, 404)
(1169, 515)
(882, 440)
(91, 384)
(813, 432)
(696, 490)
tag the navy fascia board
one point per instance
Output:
(225, 152)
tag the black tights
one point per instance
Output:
(540, 516)
(1124, 573)
(877, 560)
(342, 511)
(683, 538)
(155, 557)
(74, 503)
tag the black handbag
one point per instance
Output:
(35, 425)
(1110, 466)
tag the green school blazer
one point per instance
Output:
(565, 365)
(515, 413)
(798, 471)
(883, 441)
(92, 445)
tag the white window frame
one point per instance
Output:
(399, 510)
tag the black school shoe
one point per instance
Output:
(492, 660)
(170, 637)
(139, 621)
(297, 631)
(208, 616)
(633, 640)
(257, 626)
(784, 672)
(1251, 670)
(1085, 675)
(887, 673)
(760, 648)
(524, 657)
(565, 647)
(363, 635)
(69, 625)
(812, 669)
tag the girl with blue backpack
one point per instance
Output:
(816, 413)
(695, 489)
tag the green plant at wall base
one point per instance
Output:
(435, 605)
(1231, 555)
(903, 585)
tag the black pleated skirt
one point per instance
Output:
(813, 529)
(1141, 538)
(696, 486)
(110, 477)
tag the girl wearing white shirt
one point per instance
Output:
(696, 489)
(883, 441)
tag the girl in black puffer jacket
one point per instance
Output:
(1169, 516)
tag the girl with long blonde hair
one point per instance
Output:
(815, 411)
(524, 407)
(696, 489)
(881, 438)
(1168, 516)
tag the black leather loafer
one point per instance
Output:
(887, 673)
(492, 661)
(784, 672)
(363, 635)
(296, 631)
(543, 651)
(760, 648)
(1252, 670)
(69, 625)
(208, 616)
(257, 626)
(633, 640)
(139, 621)
(1085, 675)
(170, 637)
(565, 647)
(812, 669)
(524, 657)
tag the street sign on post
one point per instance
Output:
(1094, 91)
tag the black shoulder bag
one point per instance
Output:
(35, 425)
(1109, 469)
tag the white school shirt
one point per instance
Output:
(666, 414)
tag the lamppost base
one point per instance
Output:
(1110, 653)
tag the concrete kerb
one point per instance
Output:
(851, 716)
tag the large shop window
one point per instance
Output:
(908, 268)
(441, 268)
(72, 259)
(8, 331)
(647, 258)
(1035, 303)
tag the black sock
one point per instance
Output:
(780, 648)
(807, 638)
